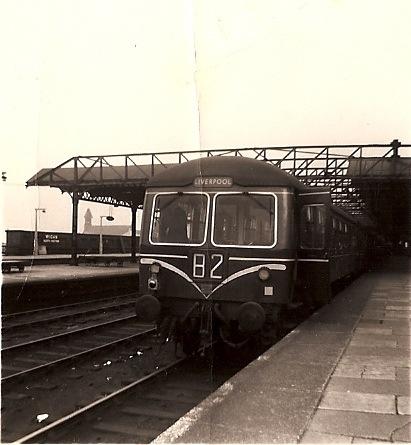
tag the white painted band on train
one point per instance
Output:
(161, 255)
(237, 258)
(313, 260)
(240, 258)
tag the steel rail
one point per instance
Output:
(64, 334)
(66, 316)
(63, 306)
(12, 377)
(97, 403)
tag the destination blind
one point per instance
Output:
(213, 181)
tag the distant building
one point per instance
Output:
(108, 228)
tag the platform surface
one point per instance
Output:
(64, 272)
(33, 258)
(62, 258)
(342, 376)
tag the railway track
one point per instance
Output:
(139, 411)
(25, 327)
(76, 382)
(25, 359)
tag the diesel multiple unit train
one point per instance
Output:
(230, 244)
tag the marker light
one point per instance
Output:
(155, 268)
(263, 274)
(152, 283)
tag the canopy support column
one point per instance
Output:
(133, 234)
(74, 229)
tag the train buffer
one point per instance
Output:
(8, 265)
(106, 260)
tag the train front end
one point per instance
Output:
(217, 252)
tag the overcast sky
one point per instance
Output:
(107, 76)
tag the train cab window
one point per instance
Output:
(312, 227)
(179, 219)
(244, 220)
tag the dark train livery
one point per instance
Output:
(231, 243)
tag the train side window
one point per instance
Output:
(312, 227)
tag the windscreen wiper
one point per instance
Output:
(251, 196)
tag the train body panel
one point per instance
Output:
(239, 241)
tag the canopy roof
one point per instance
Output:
(354, 173)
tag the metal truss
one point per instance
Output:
(86, 196)
(108, 178)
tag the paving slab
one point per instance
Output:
(351, 423)
(374, 314)
(402, 434)
(376, 361)
(358, 401)
(401, 331)
(403, 374)
(379, 351)
(404, 341)
(315, 437)
(404, 405)
(398, 314)
(368, 371)
(373, 340)
(374, 330)
(399, 323)
(369, 386)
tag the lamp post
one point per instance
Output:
(36, 233)
(108, 218)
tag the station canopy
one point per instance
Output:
(371, 182)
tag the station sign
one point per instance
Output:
(50, 238)
(213, 181)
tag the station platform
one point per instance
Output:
(53, 284)
(62, 272)
(58, 258)
(342, 376)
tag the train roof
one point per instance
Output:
(244, 172)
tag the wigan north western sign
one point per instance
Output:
(213, 181)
